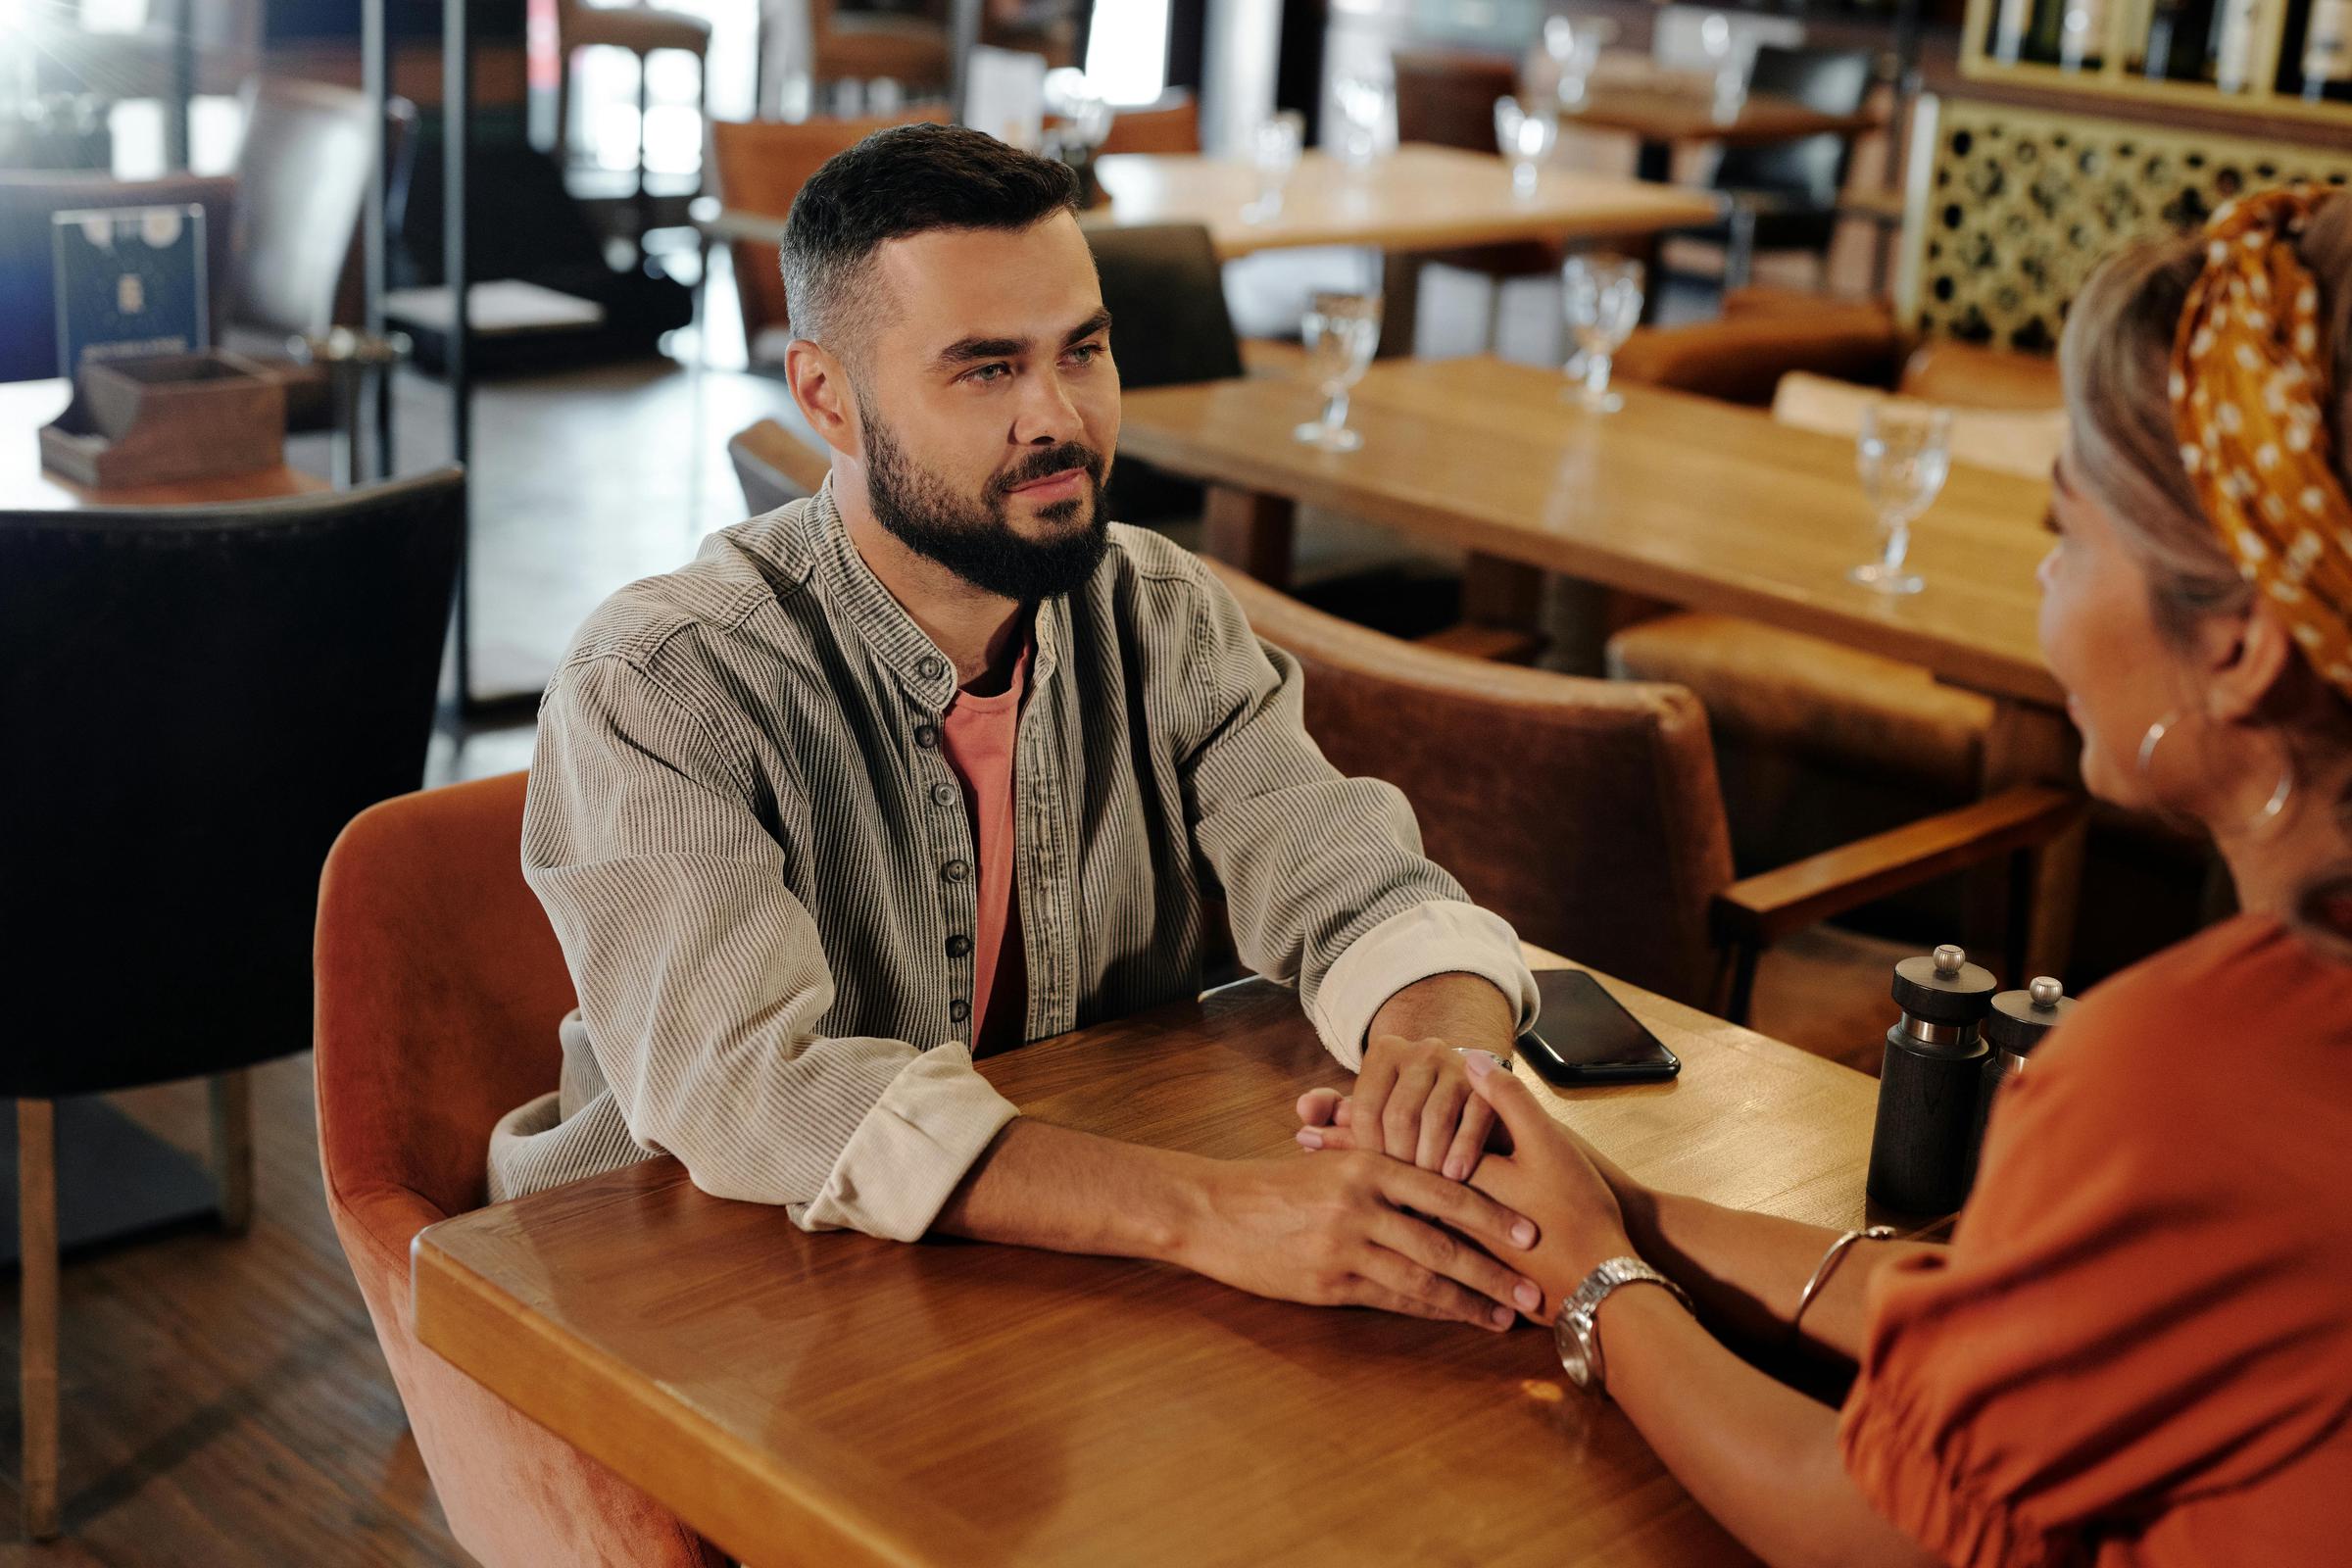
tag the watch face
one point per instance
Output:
(1568, 1334)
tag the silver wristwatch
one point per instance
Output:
(1573, 1330)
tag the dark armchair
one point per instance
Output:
(196, 700)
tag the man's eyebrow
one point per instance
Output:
(964, 351)
(1098, 323)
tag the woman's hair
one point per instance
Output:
(2116, 361)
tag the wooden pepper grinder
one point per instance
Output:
(1931, 1084)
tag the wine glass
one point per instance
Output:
(1275, 148)
(1527, 138)
(1904, 453)
(1603, 296)
(1341, 331)
(1574, 44)
(1365, 102)
(1731, 73)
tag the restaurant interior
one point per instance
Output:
(1631, 425)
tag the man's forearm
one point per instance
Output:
(1037, 1185)
(1461, 1009)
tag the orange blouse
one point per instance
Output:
(2137, 1350)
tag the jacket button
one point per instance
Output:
(958, 945)
(929, 668)
(955, 870)
(942, 795)
(959, 1009)
(926, 736)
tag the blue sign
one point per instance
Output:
(129, 283)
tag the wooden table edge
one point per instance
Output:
(568, 1386)
(1328, 487)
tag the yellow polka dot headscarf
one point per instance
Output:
(2250, 389)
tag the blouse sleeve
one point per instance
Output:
(2127, 1318)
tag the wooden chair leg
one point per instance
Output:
(36, 1238)
(232, 1148)
(1736, 980)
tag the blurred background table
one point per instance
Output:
(26, 486)
(837, 1398)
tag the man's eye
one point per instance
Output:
(989, 373)
(1088, 352)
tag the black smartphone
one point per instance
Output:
(1586, 1037)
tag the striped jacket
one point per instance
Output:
(759, 863)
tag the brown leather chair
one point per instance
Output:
(1586, 812)
(439, 989)
(758, 167)
(1170, 125)
(774, 466)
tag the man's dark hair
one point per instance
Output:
(907, 179)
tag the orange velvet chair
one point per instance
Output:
(439, 988)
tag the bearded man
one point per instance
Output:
(941, 762)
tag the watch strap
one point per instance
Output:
(1579, 1312)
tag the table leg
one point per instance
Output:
(2031, 743)
(1503, 613)
(1253, 531)
(36, 1235)
(1399, 304)
(1655, 162)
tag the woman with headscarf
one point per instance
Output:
(2137, 1347)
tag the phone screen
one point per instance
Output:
(1583, 1036)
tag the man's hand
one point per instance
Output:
(1348, 1230)
(1412, 1097)
(1412, 1102)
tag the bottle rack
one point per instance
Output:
(2118, 36)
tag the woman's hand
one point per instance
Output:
(1550, 1178)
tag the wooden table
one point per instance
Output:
(1666, 117)
(1416, 198)
(1405, 204)
(1679, 498)
(26, 486)
(839, 1400)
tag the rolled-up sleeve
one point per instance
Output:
(703, 980)
(1324, 878)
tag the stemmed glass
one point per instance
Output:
(1275, 147)
(1904, 453)
(1527, 138)
(1341, 331)
(1574, 44)
(1731, 77)
(1602, 297)
(1365, 102)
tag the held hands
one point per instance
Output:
(1349, 1230)
(1546, 1174)
(1412, 1102)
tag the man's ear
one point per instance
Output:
(822, 390)
(2244, 671)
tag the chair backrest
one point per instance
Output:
(1170, 125)
(1833, 81)
(27, 260)
(196, 700)
(758, 167)
(440, 987)
(1586, 813)
(1447, 96)
(774, 466)
(1165, 292)
(302, 179)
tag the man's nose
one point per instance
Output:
(1049, 414)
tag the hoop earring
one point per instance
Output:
(2263, 819)
(2153, 739)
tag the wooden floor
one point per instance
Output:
(224, 1403)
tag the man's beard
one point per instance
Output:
(974, 538)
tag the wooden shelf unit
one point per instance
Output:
(2127, 23)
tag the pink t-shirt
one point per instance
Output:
(977, 736)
